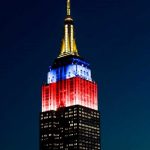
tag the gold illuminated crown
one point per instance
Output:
(68, 46)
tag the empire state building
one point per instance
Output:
(69, 119)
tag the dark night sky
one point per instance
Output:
(113, 35)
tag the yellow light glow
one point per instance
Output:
(68, 46)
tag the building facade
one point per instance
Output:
(70, 119)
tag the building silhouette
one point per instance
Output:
(70, 119)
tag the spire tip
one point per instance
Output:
(68, 8)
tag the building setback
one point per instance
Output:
(70, 119)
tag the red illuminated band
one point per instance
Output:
(73, 91)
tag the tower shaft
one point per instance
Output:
(69, 119)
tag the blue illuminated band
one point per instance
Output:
(69, 71)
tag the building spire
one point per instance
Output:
(68, 8)
(68, 46)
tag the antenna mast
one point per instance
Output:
(68, 8)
